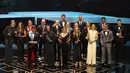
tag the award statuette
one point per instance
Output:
(48, 38)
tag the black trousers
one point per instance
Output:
(8, 50)
(85, 46)
(120, 50)
(77, 53)
(20, 45)
(31, 48)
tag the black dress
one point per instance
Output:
(9, 41)
(49, 48)
(77, 48)
(57, 31)
(20, 45)
(64, 49)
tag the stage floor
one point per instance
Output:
(22, 67)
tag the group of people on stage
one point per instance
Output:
(82, 37)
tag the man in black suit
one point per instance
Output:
(9, 35)
(81, 22)
(63, 21)
(32, 39)
(120, 34)
(42, 30)
(102, 24)
(101, 27)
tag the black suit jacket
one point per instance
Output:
(36, 37)
(84, 31)
(40, 29)
(122, 29)
(10, 30)
(61, 23)
(81, 25)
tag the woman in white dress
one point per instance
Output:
(92, 38)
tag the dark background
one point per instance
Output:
(120, 8)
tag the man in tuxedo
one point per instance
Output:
(106, 38)
(81, 22)
(42, 30)
(33, 38)
(119, 41)
(63, 21)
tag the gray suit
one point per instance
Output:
(106, 44)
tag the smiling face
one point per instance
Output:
(88, 24)
(80, 18)
(29, 22)
(106, 26)
(76, 25)
(33, 29)
(43, 22)
(67, 24)
(93, 27)
(76, 29)
(12, 25)
(63, 17)
(119, 23)
(57, 22)
(103, 20)
(20, 25)
(64, 30)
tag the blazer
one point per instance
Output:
(122, 30)
(106, 39)
(81, 25)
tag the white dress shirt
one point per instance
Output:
(31, 35)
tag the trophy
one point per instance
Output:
(120, 33)
(48, 38)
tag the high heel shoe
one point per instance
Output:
(93, 65)
(88, 65)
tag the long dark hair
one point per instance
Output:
(22, 27)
